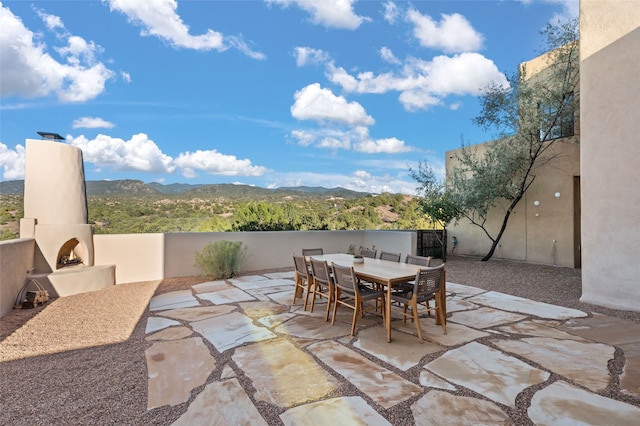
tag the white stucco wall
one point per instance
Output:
(142, 257)
(16, 260)
(610, 149)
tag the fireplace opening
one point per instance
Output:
(68, 255)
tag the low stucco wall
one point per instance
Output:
(16, 259)
(142, 257)
(146, 257)
(138, 257)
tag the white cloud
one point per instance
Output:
(424, 83)
(391, 12)
(452, 34)
(387, 55)
(332, 14)
(316, 103)
(159, 18)
(308, 56)
(33, 72)
(355, 139)
(51, 21)
(334, 143)
(12, 162)
(215, 163)
(570, 10)
(388, 145)
(137, 154)
(92, 123)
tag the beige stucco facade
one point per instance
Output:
(584, 207)
(610, 149)
(543, 227)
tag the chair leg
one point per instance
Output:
(414, 312)
(295, 289)
(443, 321)
(329, 305)
(313, 297)
(306, 299)
(335, 307)
(355, 318)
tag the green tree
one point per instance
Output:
(263, 217)
(530, 115)
(437, 202)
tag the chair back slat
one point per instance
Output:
(366, 252)
(418, 260)
(344, 278)
(386, 255)
(301, 265)
(428, 281)
(312, 251)
(320, 270)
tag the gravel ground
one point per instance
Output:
(82, 360)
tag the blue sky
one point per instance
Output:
(268, 93)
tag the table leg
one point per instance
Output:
(442, 299)
(387, 307)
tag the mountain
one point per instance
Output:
(137, 188)
(119, 188)
(12, 187)
(172, 188)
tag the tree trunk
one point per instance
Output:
(502, 229)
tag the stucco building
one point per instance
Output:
(609, 152)
(584, 207)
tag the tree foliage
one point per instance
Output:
(144, 213)
(527, 115)
(437, 202)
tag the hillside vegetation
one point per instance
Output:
(131, 206)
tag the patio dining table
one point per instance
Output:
(384, 272)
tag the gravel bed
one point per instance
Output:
(106, 383)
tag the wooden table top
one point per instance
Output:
(375, 270)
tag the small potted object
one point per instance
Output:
(358, 259)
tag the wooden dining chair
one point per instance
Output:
(322, 283)
(426, 286)
(387, 255)
(312, 251)
(413, 260)
(367, 252)
(418, 260)
(350, 294)
(303, 279)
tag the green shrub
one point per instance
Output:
(221, 259)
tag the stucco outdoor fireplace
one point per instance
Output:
(55, 214)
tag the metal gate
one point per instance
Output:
(432, 242)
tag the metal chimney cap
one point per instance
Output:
(51, 136)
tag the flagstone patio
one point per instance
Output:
(499, 349)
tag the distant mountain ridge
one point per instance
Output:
(138, 188)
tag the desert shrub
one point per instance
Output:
(221, 259)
